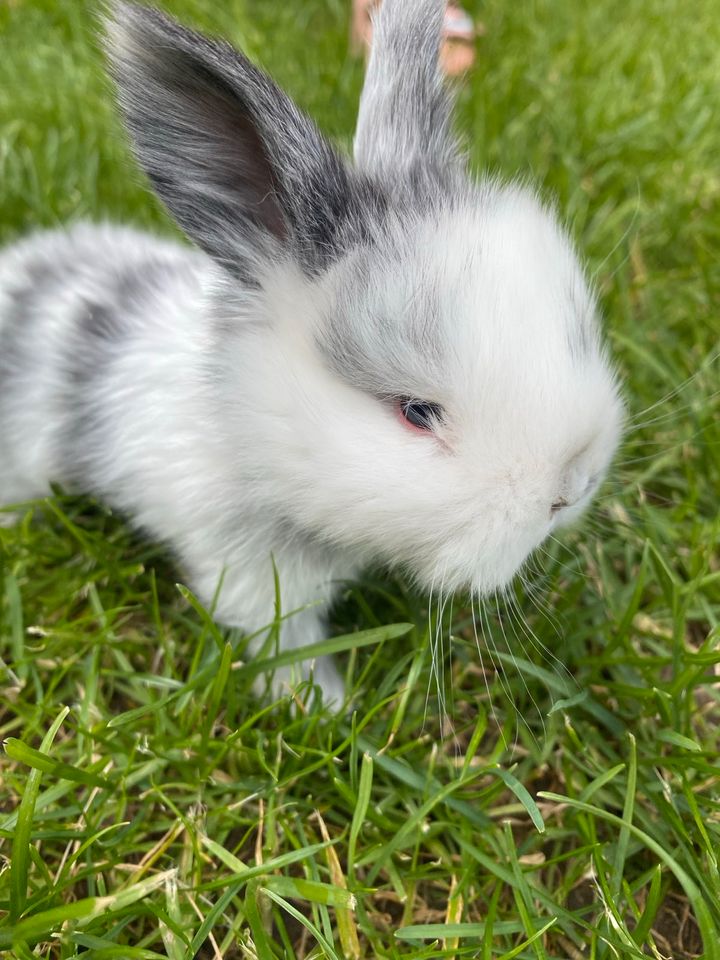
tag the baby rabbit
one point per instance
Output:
(370, 361)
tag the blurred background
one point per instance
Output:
(612, 105)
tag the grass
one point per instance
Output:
(151, 806)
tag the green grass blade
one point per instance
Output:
(21, 840)
(261, 940)
(522, 794)
(274, 863)
(332, 645)
(13, 601)
(360, 811)
(708, 928)
(97, 948)
(17, 750)
(309, 926)
(627, 816)
(40, 926)
(442, 931)
(652, 905)
(532, 940)
(311, 890)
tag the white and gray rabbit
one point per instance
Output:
(370, 361)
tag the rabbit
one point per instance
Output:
(377, 361)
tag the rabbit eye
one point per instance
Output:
(420, 414)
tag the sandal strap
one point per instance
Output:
(458, 23)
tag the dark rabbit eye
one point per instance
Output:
(421, 414)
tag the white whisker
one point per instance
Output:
(491, 702)
(518, 670)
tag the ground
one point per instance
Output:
(566, 803)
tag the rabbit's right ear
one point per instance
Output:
(246, 175)
(405, 120)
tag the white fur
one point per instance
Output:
(222, 425)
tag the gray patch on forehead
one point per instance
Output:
(348, 215)
(383, 349)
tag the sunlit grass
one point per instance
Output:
(568, 804)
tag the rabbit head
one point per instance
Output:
(413, 359)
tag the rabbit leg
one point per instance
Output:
(299, 630)
(19, 488)
(8, 519)
(246, 598)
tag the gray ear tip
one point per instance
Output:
(117, 14)
(130, 33)
(119, 20)
(129, 21)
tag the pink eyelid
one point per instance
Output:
(423, 432)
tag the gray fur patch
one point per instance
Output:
(106, 319)
(386, 355)
(13, 333)
(404, 131)
(244, 172)
(84, 365)
(101, 325)
(18, 329)
(99, 321)
(580, 331)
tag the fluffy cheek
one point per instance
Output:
(397, 496)
(484, 559)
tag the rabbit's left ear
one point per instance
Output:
(243, 171)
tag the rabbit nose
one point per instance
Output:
(585, 486)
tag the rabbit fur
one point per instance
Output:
(239, 400)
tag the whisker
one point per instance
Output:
(452, 691)
(491, 702)
(573, 571)
(692, 405)
(440, 644)
(669, 450)
(518, 669)
(498, 668)
(432, 651)
(619, 243)
(491, 646)
(439, 640)
(538, 644)
(707, 363)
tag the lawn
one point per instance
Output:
(555, 795)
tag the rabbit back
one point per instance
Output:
(88, 317)
(114, 380)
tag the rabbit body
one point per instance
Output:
(379, 362)
(112, 383)
(76, 307)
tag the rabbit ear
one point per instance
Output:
(241, 169)
(405, 118)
